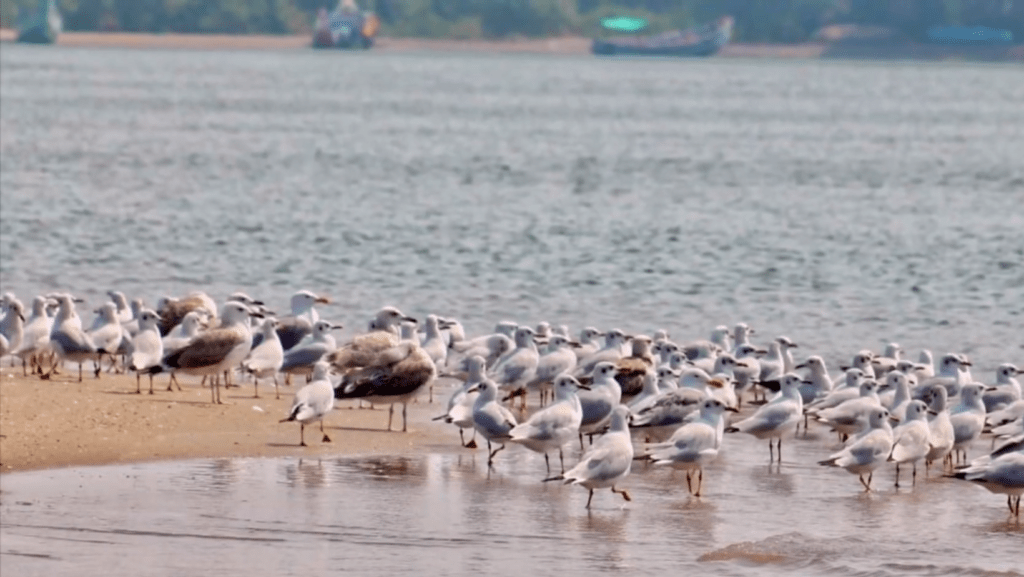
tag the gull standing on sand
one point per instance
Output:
(300, 360)
(868, 451)
(266, 358)
(293, 328)
(693, 445)
(12, 326)
(779, 416)
(147, 349)
(435, 346)
(394, 375)
(216, 350)
(364, 349)
(489, 418)
(180, 336)
(910, 439)
(67, 338)
(36, 335)
(553, 426)
(106, 333)
(172, 311)
(312, 402)
(608, 462)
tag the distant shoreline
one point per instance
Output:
(568, 45)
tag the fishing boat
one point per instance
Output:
(704, 40)
(345, 27)
(41, 26)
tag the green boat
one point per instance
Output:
(41, 26)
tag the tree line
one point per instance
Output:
(756, 20)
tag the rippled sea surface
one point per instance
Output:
(842, 204)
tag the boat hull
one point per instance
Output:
(702, 41)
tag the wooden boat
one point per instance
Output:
(345, 27)
(42, 26)
(703, 40)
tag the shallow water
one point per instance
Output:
(445, 514)
(842, 204)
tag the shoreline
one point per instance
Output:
(63, 423)
(567, 45)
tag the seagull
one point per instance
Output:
(489, 417)
(693, 445)
(660, 419)
(36, 335)
(518, 367)
(266, 358)
(295, 327)
(67, 338)
(147, 349)
(940, 428)
(968, 418)
(630, 371)
(888, 360)
(868, 451)
(588, 343)
(106, 334)
(777, 417)
(553, 426)
(1001, 472)
(1005, 391)
(216, 350)
(910, 443)
(461, 403)
(172, 311)
(312, 402)
(559, 358)
(608, 462)
(393, 375)
(851, 416)
(610, 352)
(300, 359)
(363, 349)
(122, 308)
(600, 401)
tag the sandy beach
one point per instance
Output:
(64, 423)
(566, 45)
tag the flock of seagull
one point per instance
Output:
(642, 397)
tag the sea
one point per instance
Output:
(844, 204)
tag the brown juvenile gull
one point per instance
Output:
(630, 370)
(394, 375)
(172, 311)
(216, 350)
(363, 349)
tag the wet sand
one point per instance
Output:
(562, 45)
(64, 423)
